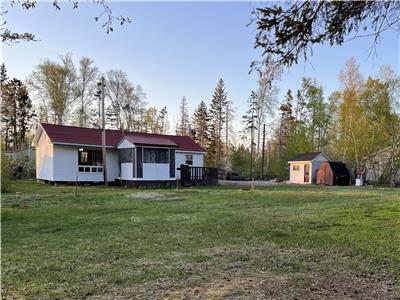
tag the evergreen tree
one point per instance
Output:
(162, 120)
(16, 113)
(286, 122)
(250, 126)
(218, 115)
(3, 74)
(201, 125)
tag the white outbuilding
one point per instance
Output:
(303, 167)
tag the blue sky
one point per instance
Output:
(177, 49)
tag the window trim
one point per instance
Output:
(166, 150)
(131, 150)
(90, 162)
(186, 159)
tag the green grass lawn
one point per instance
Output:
(276, 242)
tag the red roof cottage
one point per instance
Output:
(64, 153)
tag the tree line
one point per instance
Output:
(210, 126)
(359, 119)
(60, 92)
(353, 122)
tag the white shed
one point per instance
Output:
(303, 167)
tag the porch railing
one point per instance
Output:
(198, 175)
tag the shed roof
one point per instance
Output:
(307, 156)
(61, 134)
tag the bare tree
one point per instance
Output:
(393, 86)
(52, 84)
(183, 124)
(85, 85)
(116, 85)
(267, 97)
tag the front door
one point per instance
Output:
(306, 173)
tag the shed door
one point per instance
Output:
(306, 173)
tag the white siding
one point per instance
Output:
(112, 164)
(66, 165)
(298, 175)
(150, 172)
(126, 168)
(125, 144)
(127, 171)
(155, 172)
(44, 158)
(314, 167)
(198, 160)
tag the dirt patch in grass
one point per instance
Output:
(155, 196)
(268, 272)
(268, 286)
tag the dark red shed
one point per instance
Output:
(333, 173)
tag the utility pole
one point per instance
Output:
(226, 139)
(103, 132)
(262, 154)
(268, 159)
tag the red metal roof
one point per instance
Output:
(92, 136)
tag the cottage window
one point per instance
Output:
(155, 156)
(296, 168)
(88, 157)
(126, 155)
(188, 159)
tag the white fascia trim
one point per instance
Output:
(326, 156)
(157, 147)
(196, 152)
(124, 139)
(38, 134)
(82, 145)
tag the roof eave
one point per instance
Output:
(192, 151)
(82, 145)
(155, 145)
(38, 133)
